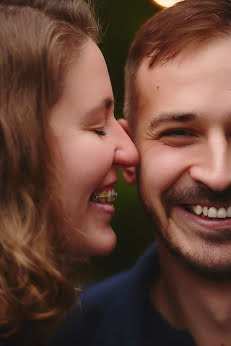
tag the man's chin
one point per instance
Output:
(202, 265)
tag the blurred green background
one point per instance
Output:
(120, 19)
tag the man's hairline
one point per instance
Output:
(132, 119)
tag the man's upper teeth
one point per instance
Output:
(220, 213)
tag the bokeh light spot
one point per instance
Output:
(165, 3)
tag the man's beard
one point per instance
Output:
(179, 195)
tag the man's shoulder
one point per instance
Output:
(120, 288)
(111, 312)
(103, 291)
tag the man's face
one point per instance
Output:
(183, 137)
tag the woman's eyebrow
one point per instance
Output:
(106, 103)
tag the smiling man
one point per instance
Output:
(184, 138)
(178, 108)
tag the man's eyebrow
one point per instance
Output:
(162, 118)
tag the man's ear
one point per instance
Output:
(129, 173)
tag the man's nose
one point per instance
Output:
(126, 153)
(213, 165)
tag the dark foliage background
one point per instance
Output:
(120, 19)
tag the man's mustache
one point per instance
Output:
(197, 194)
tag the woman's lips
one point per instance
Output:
(104, 195)
(106, 208)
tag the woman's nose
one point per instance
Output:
(126, 153)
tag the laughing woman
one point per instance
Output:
(60, 148)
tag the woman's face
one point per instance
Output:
(89, 146)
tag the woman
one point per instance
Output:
(60, 150)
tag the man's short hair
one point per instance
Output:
(166, 34)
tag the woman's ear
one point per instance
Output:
(129, 173)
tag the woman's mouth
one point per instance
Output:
(106, 196)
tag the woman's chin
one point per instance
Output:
(99, 242)
(104, 244)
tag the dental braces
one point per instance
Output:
(111, 197)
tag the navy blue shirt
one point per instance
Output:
(119, 312)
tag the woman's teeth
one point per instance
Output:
(104, 197)
(211, 212)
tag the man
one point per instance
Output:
(178, 108)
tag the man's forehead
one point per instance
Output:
(190, 66)
(193, 53)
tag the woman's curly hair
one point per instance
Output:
(37, 40)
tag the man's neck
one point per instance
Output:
(189, 302)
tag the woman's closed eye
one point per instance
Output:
(100, 133)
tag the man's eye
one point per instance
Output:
(178, 137)
(100, 132)
(177, 132)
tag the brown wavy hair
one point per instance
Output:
(37, 40)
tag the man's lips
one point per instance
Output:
(209, 211)
(198, 196)
(192, 221)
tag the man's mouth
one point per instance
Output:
(104, 196)
(210, 211)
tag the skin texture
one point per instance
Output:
(183, 137)
(90, 146)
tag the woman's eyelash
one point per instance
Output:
(100, 132)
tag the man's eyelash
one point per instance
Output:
(177, 132)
